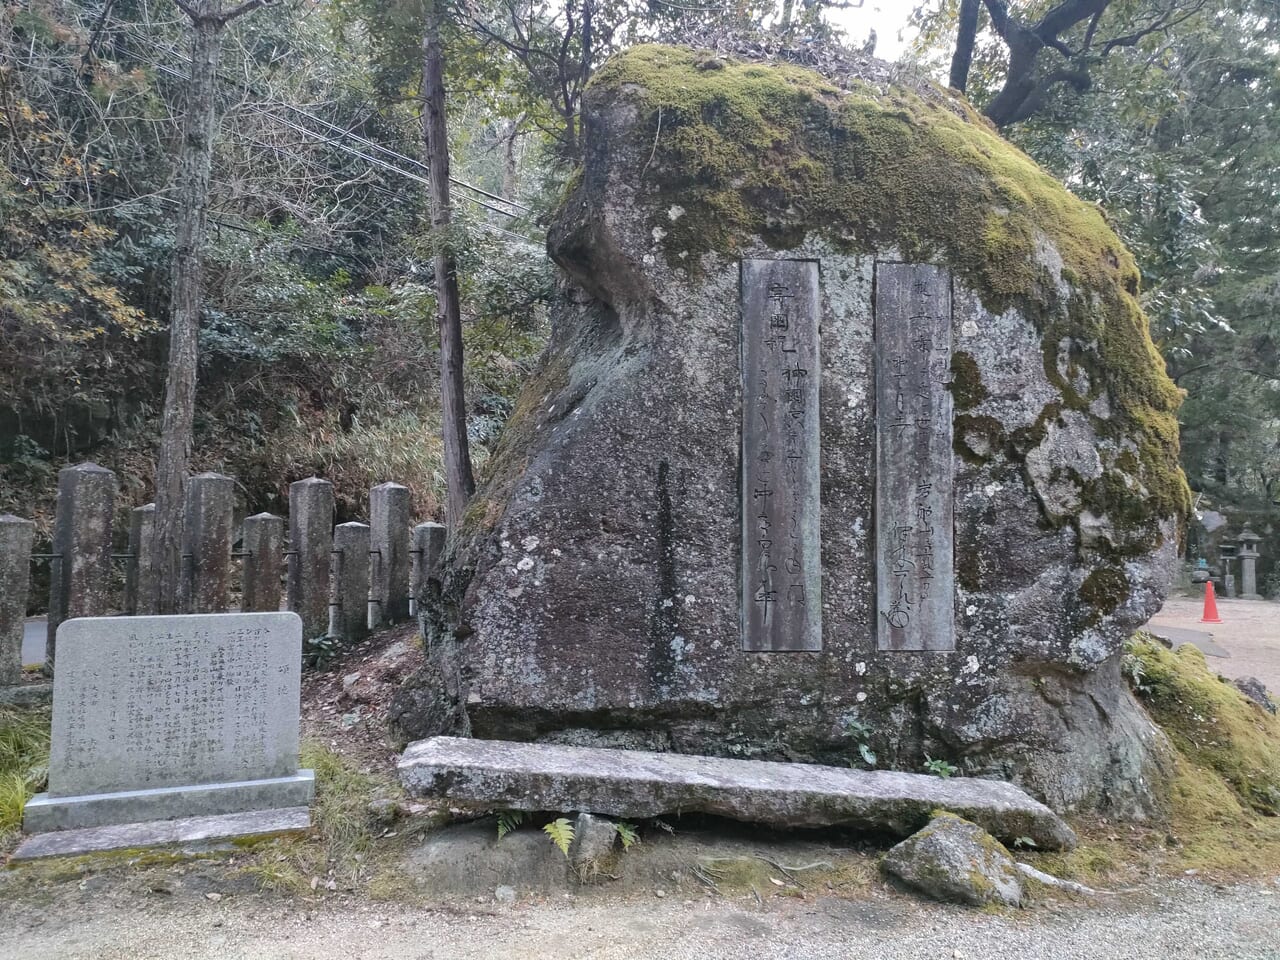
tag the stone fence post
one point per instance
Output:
(311, 504)
(140, 573)
(389, 531)
(80, 569)
(350, 619)
(207, 535)
(428, 552)
(16, 536)
(263, 549)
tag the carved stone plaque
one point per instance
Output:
(781, 456)
(148, 702)
(915, 579)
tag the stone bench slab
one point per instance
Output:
(639, 784)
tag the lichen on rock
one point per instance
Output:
(956, 861)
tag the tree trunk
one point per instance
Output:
(457, 454)
(966, 37)
(1020, 79)
(194, 163)
(510, 167)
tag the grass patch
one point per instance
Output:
(339, 853)
(24, 764)
(1225, 794)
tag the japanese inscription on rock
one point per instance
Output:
(915, 583)
(781, 456)
(148, 702)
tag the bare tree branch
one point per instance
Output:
(1026, 83)
(247, 7)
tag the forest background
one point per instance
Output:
(318, 345)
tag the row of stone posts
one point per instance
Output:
(342, 581)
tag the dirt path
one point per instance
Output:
(1180, 920)
(1250, 632)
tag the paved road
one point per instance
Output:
(1249, 632)
(33, 640)
(1199, 639)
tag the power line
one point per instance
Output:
(341, 132)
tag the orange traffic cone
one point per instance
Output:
(1210, 605)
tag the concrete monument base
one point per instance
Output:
(188, 830)
(44, 813)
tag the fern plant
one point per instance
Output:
(627, 833)
(508, 820)
(561, 833)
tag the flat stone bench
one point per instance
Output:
(498, 774)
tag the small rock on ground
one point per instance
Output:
(593, 841)
(956, 861)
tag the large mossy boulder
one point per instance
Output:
(592, 594)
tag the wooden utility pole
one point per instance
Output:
(195, 159)
(457, 452)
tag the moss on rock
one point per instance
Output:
(1105, 589)
(1212, 724)
(967, 388)
(773, 151)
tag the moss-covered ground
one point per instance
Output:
(1225, 794)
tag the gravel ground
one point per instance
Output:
(1250, 632)
(1187, 919)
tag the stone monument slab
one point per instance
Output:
(781, 458)
(165, 717)
(915, 538)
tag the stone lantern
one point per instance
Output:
(1248, 558)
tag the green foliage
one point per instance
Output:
(509, 820)
(560, 831)
(58, 306)
(1178, 136)
(860, 731)
(627, 833)
(319, 652)
(24, 763)
(940, 768)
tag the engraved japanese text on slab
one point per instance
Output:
(147, 702)
(915, 582)
(781, 456)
